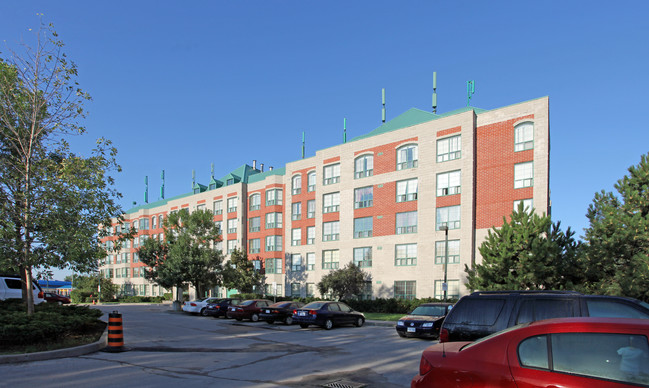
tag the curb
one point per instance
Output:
(60, 353)
(381, 323)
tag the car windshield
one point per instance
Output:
(494, 335)
(429, 310)
(315, 305)
(247, 303)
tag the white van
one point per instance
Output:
(11, 288)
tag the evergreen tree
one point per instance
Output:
(240, 274)
(618, 236)
(344, 283)
(527, 253)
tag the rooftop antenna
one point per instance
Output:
(193, 179)
(345, 130)
(302, 144)
(383, 102)
(146, 189)
(470, 90)
(162, 188)
(212, 170)
(435, 92)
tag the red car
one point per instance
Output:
(248, 309)
(562, 352)
(52, 297)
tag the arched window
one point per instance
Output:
(407, 157)
(311, 181)
(364, 166)
(296, 184)
(254, 202)
(524, 136)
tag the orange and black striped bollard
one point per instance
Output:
(115, 333)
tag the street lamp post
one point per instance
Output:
(444, 284)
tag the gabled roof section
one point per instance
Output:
(198, 188)
(214, 184)
(263, 175)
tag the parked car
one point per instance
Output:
(327, 314)
(11, 288)
(482, 313)
(280, 311)
(248, 309)
(197, 306)
(424, 321)
(562, 352)
(219, 308)
(53, 297)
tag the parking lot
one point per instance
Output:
(167, 348)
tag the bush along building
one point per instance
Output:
(400, 201)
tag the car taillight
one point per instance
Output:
(40, 295)
(193, 304)
(424, 366)
(443, 335)
(294, 312)
(313, 312)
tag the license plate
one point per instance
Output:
(267, 311)
(301, 313)
(411, 330)
(232, 309)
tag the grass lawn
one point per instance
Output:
(383, 316)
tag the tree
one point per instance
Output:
(51, 199)
(344, 283)
(529, 252)
(242, 275)
(617, 240)
(187, 255)
(85, 286)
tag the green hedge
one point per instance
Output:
(49, 322)
(389, 306)
(141, 299)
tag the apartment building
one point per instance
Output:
(392, 201)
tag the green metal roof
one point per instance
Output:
(263, 175)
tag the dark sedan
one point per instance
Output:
(423, 321)
(248, 309)
(327, 314)
(220, 307)
(52, 297)
(280, 311)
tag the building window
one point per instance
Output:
(295, 290)
(310, 235)
(254, 245)
(310, 208)
(331, 231)
(407, 222)
(144, 224)
(232, 205)
(154, 221)
(453, 252)
(524, 136)
(296, 185)
(363, 197)
(273, 220)
(273, 265)
(364, 166)
(363, 257)
(273, 243)
(449, 148)
(296, 211)
(448, 216)
(405, 289)
(527, 205)
(232, 245)
(160, 220)
(405, 254)
(254, 202)
(407, 157)
(310, 289)
(330, 259)
(448, 183)
(407, 190)
(331, 203)
(311, 181)
(296, 237)
(331, 174)
(453, 289)
(200, 207)
(217, 207)
(273, 197)
(310, 261)
(296, 262)
(254, 224)
(232, 225)
(523, 175)
(363, 227)
(219, 225)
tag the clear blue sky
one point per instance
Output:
(180, 85)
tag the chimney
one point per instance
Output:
(270, 168)
(254, 164)
(261, 167)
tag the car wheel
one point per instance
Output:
(239, 319)
(204, 312)
(288, 320)
(328, 324)
(304, 325)
(359, 322)
(254, 317)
